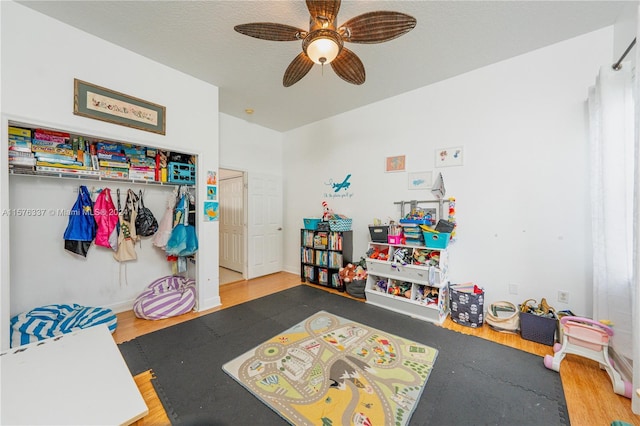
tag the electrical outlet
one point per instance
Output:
(513, 288)
(563, 296)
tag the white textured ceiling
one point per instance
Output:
(450, 38)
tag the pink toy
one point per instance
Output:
(590, 339)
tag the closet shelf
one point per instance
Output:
(59, 175)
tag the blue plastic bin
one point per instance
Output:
(434, 240)
(311, 224)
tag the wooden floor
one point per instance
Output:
(588, 390)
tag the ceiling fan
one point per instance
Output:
(324, 42)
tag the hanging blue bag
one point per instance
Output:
(183, 240)
(81, 229)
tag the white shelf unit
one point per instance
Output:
(427, 284)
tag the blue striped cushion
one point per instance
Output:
(53, 320)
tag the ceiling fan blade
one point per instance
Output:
(349, 67)
(271, 31)
(323, 10)
(297, 69)
(376, 27)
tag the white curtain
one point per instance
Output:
(635, 290)
(613, 172)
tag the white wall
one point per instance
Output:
(38, 68)
(522, 193)
(248, 147)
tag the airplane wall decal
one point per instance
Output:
(343, 185)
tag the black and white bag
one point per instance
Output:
(146, 223)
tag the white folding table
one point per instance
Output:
(78, 378)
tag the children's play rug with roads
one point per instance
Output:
(329, 370)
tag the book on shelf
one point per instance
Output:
(133, 151)
(51, 136)
(47, 169)
(320, 240)
(19, 153)
(113, 164)
(20, 149)
(335, 241)
(307, 255)
(323, 276)
(141, 168)
(20, 142)
(112, 156)
(307, 238)
(19, 131)
(114, 174)
(53, 150)
(139, 162)
(335, 260)
(54, 158)
(61, 165)
(309, 273)
(335, 280)
(22, 161)
(142, 175)
(40, 142)
(43, 139)
(109, 147)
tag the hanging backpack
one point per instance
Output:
(146, 223)
(81, 229)
(106, 220)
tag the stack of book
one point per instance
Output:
(112, 161)
(20, 154)
(142, 163)
(55, 153)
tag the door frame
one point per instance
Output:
(234, 172)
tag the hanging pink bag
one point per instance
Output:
(107, 220)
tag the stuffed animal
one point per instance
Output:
(360, 273)
(402, 256)
(381, 285)
(378, 253)
(327, 213)
(401, 289)
(420, 256)
(348, 273)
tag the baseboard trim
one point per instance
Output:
(623, 365)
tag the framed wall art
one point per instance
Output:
(419, 180)
(211, 209)
(446, 157)
(114, 107)
(395, 164)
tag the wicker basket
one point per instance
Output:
(338, 225)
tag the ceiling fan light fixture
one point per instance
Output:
(324, 42)
(322, 46)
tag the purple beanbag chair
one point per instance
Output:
(166, 297)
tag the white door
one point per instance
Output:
(265, 225)
(232, 223)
